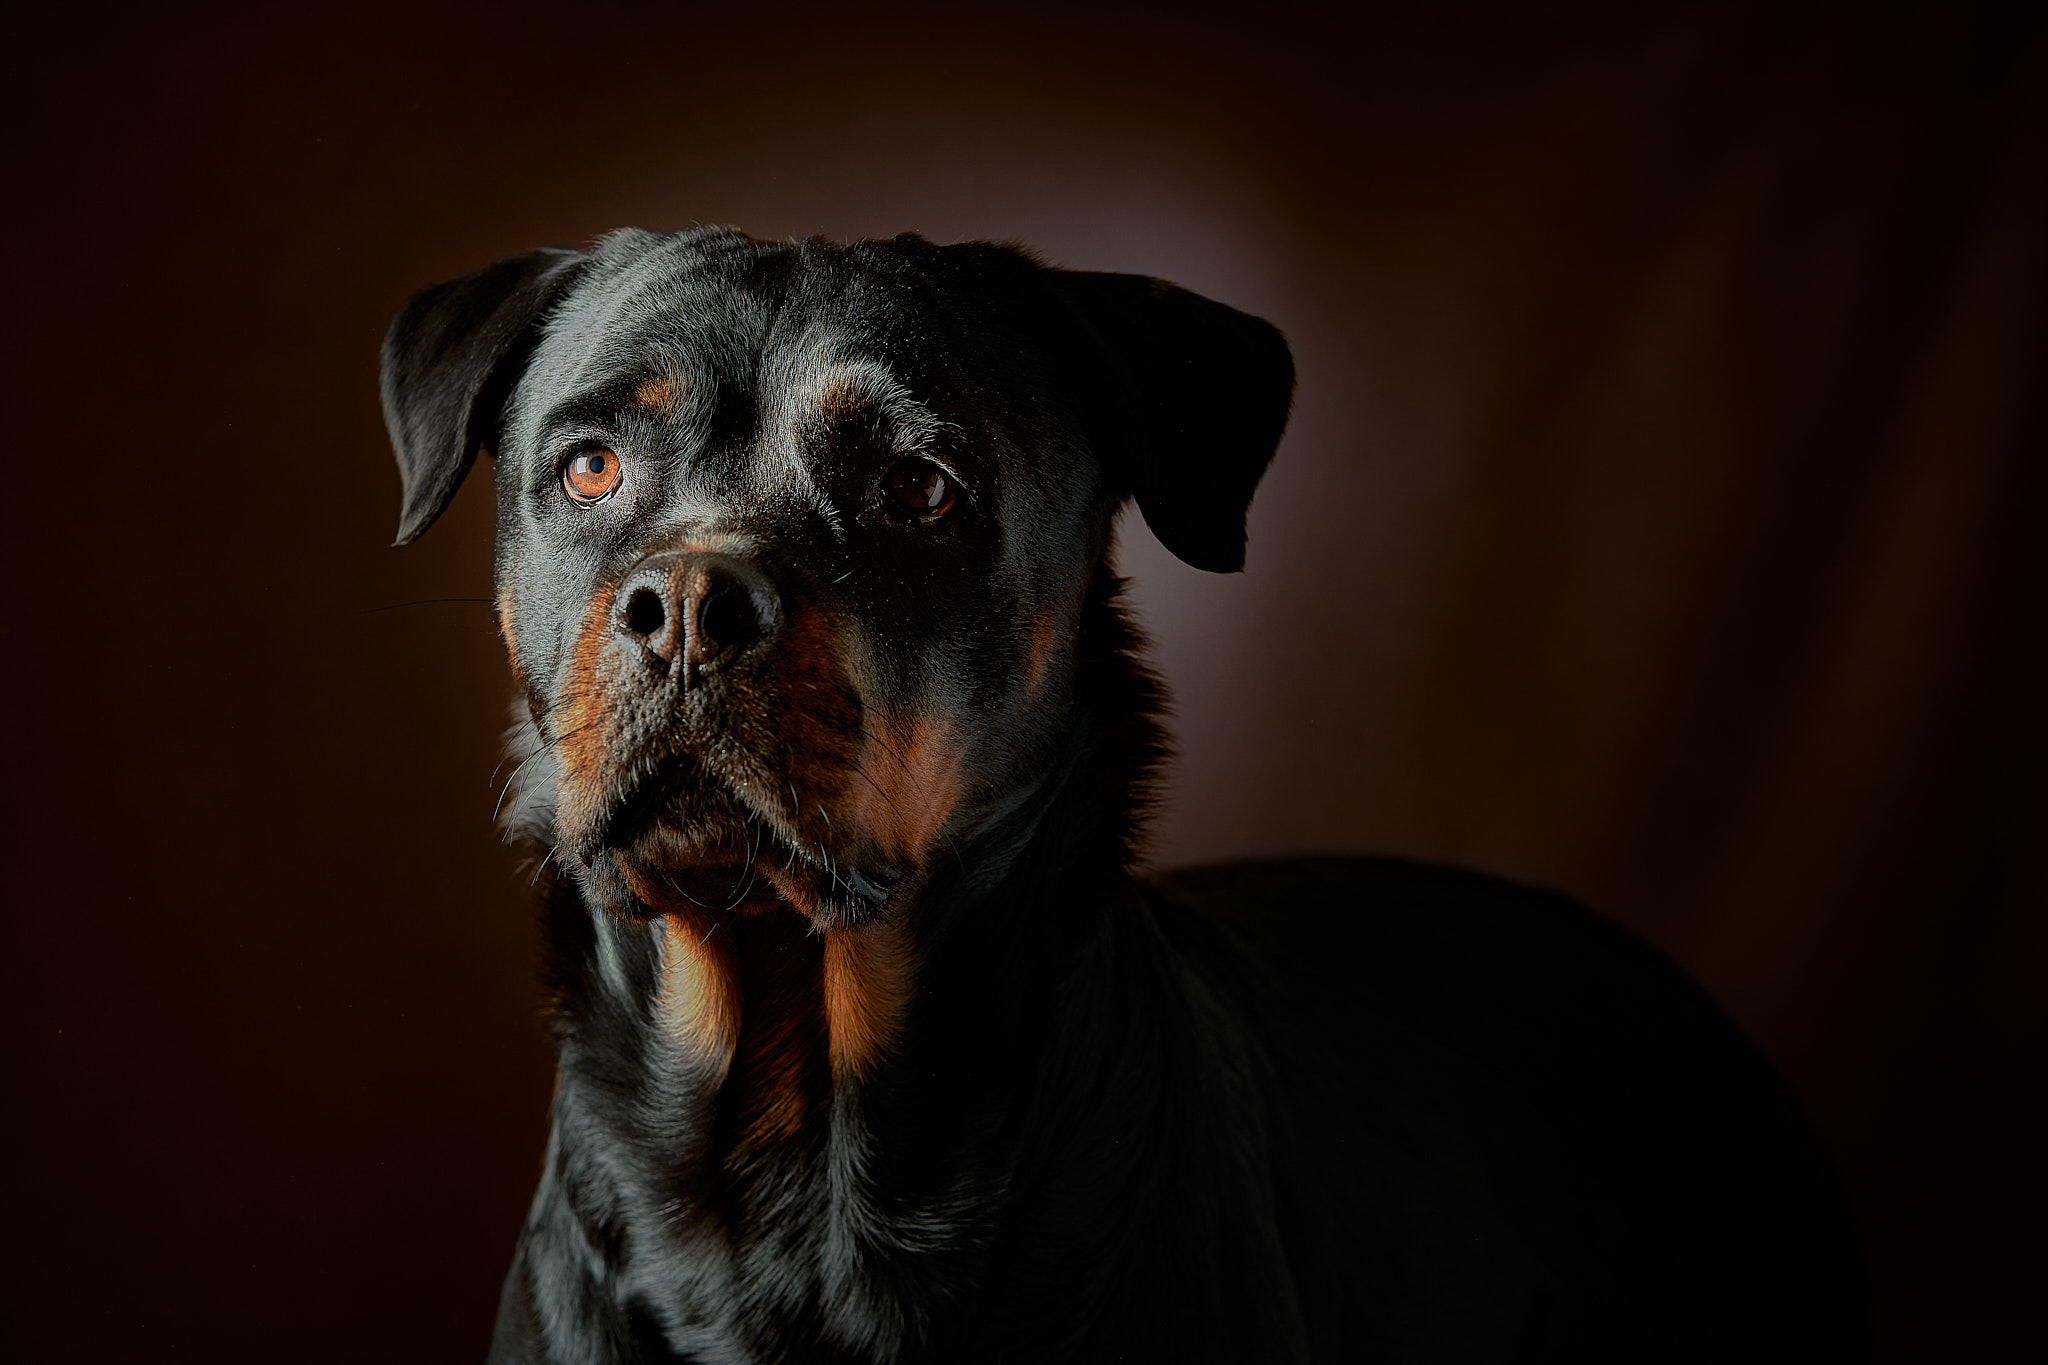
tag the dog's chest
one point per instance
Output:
(743, 1205)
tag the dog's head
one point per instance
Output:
(793, 538)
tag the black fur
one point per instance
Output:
(977, 1091)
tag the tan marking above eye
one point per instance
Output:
(922, 487)
(592, 475)
(659, 393)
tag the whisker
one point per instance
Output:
(684, 894)
(868, 778)
(741, 888)
(916, 783)
(543, 866)
(885, 746)
(831, 869)
(547, 744)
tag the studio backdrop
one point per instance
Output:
(1660, 519)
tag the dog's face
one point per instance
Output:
(793, 539)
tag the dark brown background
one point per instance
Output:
(1660, 520)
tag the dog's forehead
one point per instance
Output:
(693, 322)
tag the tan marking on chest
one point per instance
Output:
(779, 1077)
(870, 971)
(699, 1002)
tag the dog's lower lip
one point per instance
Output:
(872, 885)
(648, 826)
(872, 890)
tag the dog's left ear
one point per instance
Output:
(451, 357)
(1197, 398)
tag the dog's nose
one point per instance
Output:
(695, 608)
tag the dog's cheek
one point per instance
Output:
(1042, 640)
(508, 631)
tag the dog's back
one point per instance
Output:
(1515, 1131)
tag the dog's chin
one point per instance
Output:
(660, 849)
(704, 851)
(660, 875)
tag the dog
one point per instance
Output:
(836, 747)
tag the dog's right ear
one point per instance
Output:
(450, 360)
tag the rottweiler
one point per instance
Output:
(836, 746)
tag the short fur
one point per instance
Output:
(872, 1046)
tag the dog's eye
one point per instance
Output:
(591, 476)
(922, 487)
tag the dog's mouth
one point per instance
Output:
(680, 838)
(778, 783)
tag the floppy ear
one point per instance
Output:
(1197, 396)
(450, 359)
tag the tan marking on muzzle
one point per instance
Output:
(914, 769)
(806, 728)
(507, 623)
(579, 723)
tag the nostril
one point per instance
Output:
(644, 612)
(728, 616)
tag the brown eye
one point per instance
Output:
(922, 487)
(591, 475)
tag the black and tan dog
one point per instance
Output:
(872, 1046)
